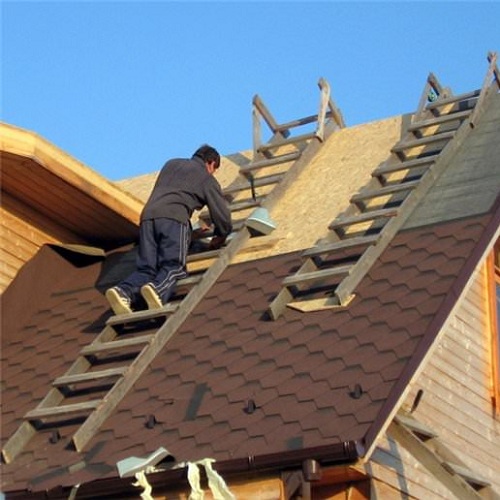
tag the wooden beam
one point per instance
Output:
(455, 483)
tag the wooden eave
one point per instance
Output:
(36, 173)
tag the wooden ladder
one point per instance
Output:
(424, 444)
(106, 369)
(333, 268)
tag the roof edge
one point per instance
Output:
(431, 337)
(24, 143)
(346, 452)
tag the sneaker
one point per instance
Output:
(151, 297)
(118, 300)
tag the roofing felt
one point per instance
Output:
(232, 384)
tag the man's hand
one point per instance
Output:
(216, 242)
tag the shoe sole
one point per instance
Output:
(151, 297)
(115, 301)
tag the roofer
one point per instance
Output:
(183, 185)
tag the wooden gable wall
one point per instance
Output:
(456, 403)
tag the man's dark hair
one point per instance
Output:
(208, 154)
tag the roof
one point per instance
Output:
(232, 384)
(65, 190)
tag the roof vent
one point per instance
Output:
(250, 407)
(55, 437)
(357, 392)
(151, 421)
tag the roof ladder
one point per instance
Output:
(333, 268)
(424, 444)
(107, 368)
(274, 158)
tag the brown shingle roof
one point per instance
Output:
(232, 384)
(300, 371)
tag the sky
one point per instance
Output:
(122, 86)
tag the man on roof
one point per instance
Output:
(183, 185)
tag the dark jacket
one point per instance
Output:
(184, 185)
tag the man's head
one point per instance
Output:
(210, 157)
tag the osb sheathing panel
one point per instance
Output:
(227, 174)
(342, 166)
(323, 190)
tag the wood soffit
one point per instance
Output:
(59, 187)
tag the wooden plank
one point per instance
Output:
(258, 182)
(287, 141)
(209, 254)
(57, 411)
(297, 123)
(123, 319)
(97, 347)
(17, 441)
(453, 99)
(472, 478)
(301, 278)
(385, 191)
(456, 484)
(486, 88)
(340, 245)
(246, 204)
(258, 103)
(191, 280)
(364, 217)
(395, 466)
(275, 160)
(439, 120)
(388, 168)
(414, 425)
(422, 141)
(89, 376)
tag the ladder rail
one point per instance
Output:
(151, 344)
(435, 165)
(165, 333)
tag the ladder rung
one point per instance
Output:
(236, 207)
(467, 475)
(452, 99)
(404, 165)
(386, 190)
(316, 275)
(275, 160)
(123, 319)
(190, 280)
(246, 204)
(416, 426)
(439, 120)
(422, 141)
(88, 376)
(56, 411)
(286, 142)
(300, 122)
(364, 217)
(116, 344)
(209, 254)
(258, 182)
(340, 245)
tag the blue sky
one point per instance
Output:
(124, 85)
